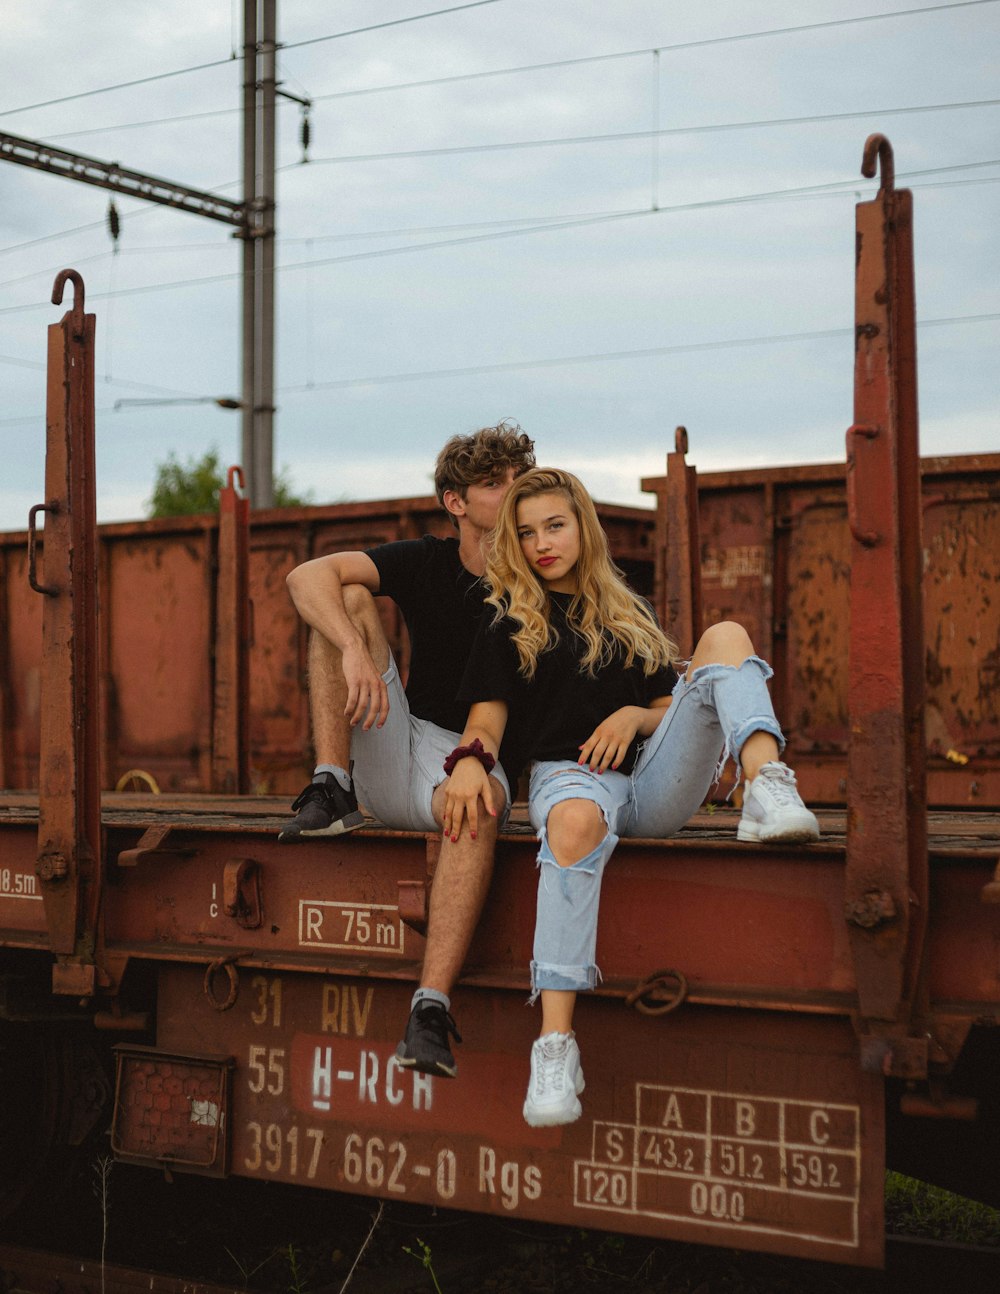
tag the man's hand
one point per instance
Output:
(367, 695)
(468, 784)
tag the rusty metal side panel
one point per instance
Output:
(785, 941)
(816, 622)
(962, 633)
(159, 628)
(736, 561)
(22, 682)
(724, 1128)
(280, 743)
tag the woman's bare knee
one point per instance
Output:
(574, 828)
(725, 643)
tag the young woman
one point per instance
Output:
(575, 674)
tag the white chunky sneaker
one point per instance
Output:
(556, 1081)
(773, 810)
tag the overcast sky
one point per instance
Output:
(690, 290)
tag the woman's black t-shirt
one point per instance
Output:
(553, 714)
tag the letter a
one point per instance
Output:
(672, 1115)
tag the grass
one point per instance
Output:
(915, 1208)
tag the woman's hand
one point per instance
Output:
(469, 783)
(608, 743)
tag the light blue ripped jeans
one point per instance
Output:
(709, 718)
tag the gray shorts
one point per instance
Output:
(398, 766)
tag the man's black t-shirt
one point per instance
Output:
(442, 604)
(551, 716)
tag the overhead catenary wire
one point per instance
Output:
(412, 230)
(645, 352)
(41, 366)
(563, 140)
(504, 71)
(394, 22)
(227, 62)
(832, 188)
(618, 136)
(122, 251)
(665, 48)
(528, 144)
(120, 85)
(805, 192)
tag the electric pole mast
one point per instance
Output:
(259, 96)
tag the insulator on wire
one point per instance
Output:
(114, 223)
(305, 134)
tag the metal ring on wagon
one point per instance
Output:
(213, 968)
(658, 993)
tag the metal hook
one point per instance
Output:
(877, 146)
(74, 277)
(235, 474)
(51, 507)
(681, 440)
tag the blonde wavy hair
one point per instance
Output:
(603, 611)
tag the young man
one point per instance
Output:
(396, 742)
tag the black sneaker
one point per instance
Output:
(425, 1046)
(324, 809)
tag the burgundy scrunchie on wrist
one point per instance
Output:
(476, 750)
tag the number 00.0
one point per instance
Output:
(718, 1202)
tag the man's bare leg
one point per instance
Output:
(331, 729)
(329, 806)
(461, 882)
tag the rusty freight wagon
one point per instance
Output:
(773, 547)
(774, 1024)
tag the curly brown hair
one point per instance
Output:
(481, 456)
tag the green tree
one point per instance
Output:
(184, 488)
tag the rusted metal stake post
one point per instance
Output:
(230, 759)
(70, 853)
(683, 556)
(677, 592)
(886, 881)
